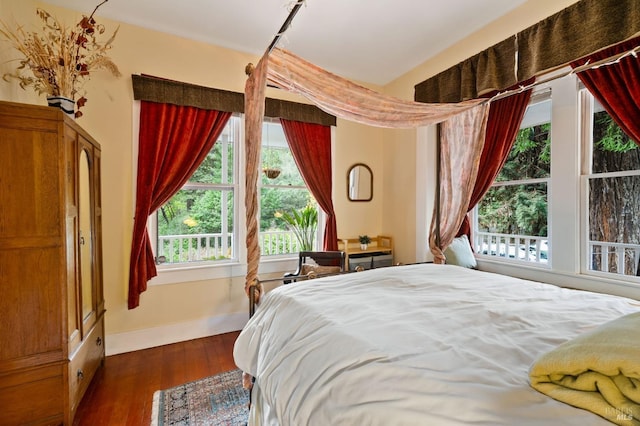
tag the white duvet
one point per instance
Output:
(413, 345)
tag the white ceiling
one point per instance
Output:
(372, 41)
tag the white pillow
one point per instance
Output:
(460, 253)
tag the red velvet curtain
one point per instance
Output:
(310, 145)
(616, 86)
(505, 117)
(173, 141)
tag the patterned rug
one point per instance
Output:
(215, 400)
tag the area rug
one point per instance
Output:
(214, 400)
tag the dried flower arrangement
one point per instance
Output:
(60, 58)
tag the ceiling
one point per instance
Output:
(372, 41)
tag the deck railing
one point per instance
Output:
(616, 258)
(200, 247)
(522, 247)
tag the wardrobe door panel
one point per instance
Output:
(29, 176)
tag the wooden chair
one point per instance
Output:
(326, 262)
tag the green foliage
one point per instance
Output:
(282, 159)
(520, 209)
(272, 157)
(613, 138)
(303, 224)
(364, 239)
(276, 199)
(531, 212)
(195, 212)
(530, 156)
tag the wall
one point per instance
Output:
(204, 305)
(10, 12)
(357, 143)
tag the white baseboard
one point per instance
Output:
(157, 336)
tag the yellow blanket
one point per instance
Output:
(598, 371)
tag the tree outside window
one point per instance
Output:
(512, 216)
(613, 198)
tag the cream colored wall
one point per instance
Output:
(400, 162)
(357, 143)
(10, 12)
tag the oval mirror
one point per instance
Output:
(360, 183)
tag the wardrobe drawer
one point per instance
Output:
(84, 364)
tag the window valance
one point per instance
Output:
(574, 32)
(155, 89)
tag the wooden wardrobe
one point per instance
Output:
(51, 295)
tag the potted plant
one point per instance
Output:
(303, 223)
(271, 163)
(57, 61)
(364, 241)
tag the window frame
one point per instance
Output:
(321, 214)
(587, 110)
(539, 95)
(237, 121)
(231, 268)
(567, 223)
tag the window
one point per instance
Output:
(611, 176)
(283, 192)
(511, 219)
(197, 223)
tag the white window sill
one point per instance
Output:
(173, 274)
(598, 284)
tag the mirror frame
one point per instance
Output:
(370, 182)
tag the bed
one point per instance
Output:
(418, 344)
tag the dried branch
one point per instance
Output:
(59, 60)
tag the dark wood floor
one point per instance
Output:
(121, 392)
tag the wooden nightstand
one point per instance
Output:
(379, 252)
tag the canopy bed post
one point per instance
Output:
(254, 109)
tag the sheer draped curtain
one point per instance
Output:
(345, 99)
(505, 118)
(310, 145)
(173, 142)
(461, 142)
(342, 98)
(616, 86)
